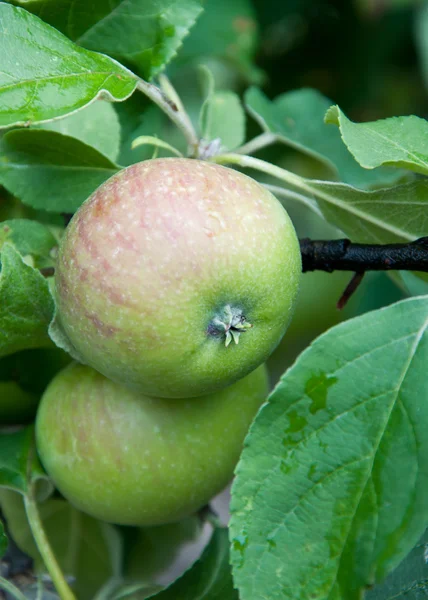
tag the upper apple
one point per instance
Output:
(170, 264)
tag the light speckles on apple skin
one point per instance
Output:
(154, 253)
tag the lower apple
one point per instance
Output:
(131, 459)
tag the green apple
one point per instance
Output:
(131, 459)
(170, 264)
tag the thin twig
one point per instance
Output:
(172, 111)
(350, 289)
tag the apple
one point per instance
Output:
(131, 459)
(170, 264)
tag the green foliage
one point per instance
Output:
(224, 119)
(3, 541)
(26, 306)
(334, 466)
(145, 34)
(421, 39)
(23, 378)
(409, 581)
(297, 119)
(395, 214)
(45, 76)
(96, 125)
(33, 240)
(397, 142)
(51, 171)
(19, 465)
(150, 550)
(228, 31)
(209, 578)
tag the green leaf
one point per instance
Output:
(34, 241)
(396, 142)
(145, 34)
(19, 466)
(409, 581)
(209, 578)
(96, 125)
(330, 493)
(224, 118)
(26, 306)
(83, 546)
(297, 118)
(51, 171)
(397, 214)
(227, 30)
(45, 76)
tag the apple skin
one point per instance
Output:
(151, 261)
(130, 459)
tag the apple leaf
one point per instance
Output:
(19, 465)
(297, 118)
(209, 578)
(397, 214)
(84, 547)
(96, 125)
(51, 171)
(409, 581)
(330, 493)
(223, 117)
(145, 34)
(396, 142)
(45, 76)
(33, 240)
(26, 305)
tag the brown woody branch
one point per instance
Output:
(343, 255)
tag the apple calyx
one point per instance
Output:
(232, 323)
